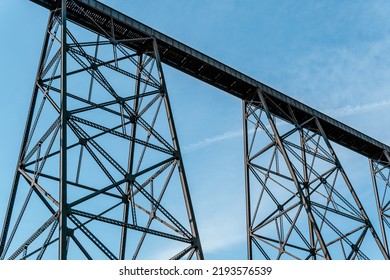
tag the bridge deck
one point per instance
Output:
(213, 72)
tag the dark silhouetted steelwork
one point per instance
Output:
(381, 181)
(100, 171)
(301, 204)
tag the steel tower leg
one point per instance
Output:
(247, 181)
(100, 173)
(175, 140)
(300, 202)
(29, 122)
(380, 172)
(63, 202)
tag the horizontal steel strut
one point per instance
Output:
(211, 71)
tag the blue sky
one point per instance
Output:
(331, 55)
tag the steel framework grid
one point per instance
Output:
(300, 202)
(380, 172)
(299, 240)
(100, 155)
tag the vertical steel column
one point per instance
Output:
(183, 177)
(129, 186)
(247, 182)
(307, 192)
(63, 213)
(304, 200)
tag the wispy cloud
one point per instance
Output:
(348, 110)
(213, 140)
(357, 109)
(333, 77)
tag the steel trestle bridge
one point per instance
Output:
(100, 173)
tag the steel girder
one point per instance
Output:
(300, 202)
(100, 173)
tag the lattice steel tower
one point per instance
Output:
(100, 173)
(300, 202)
